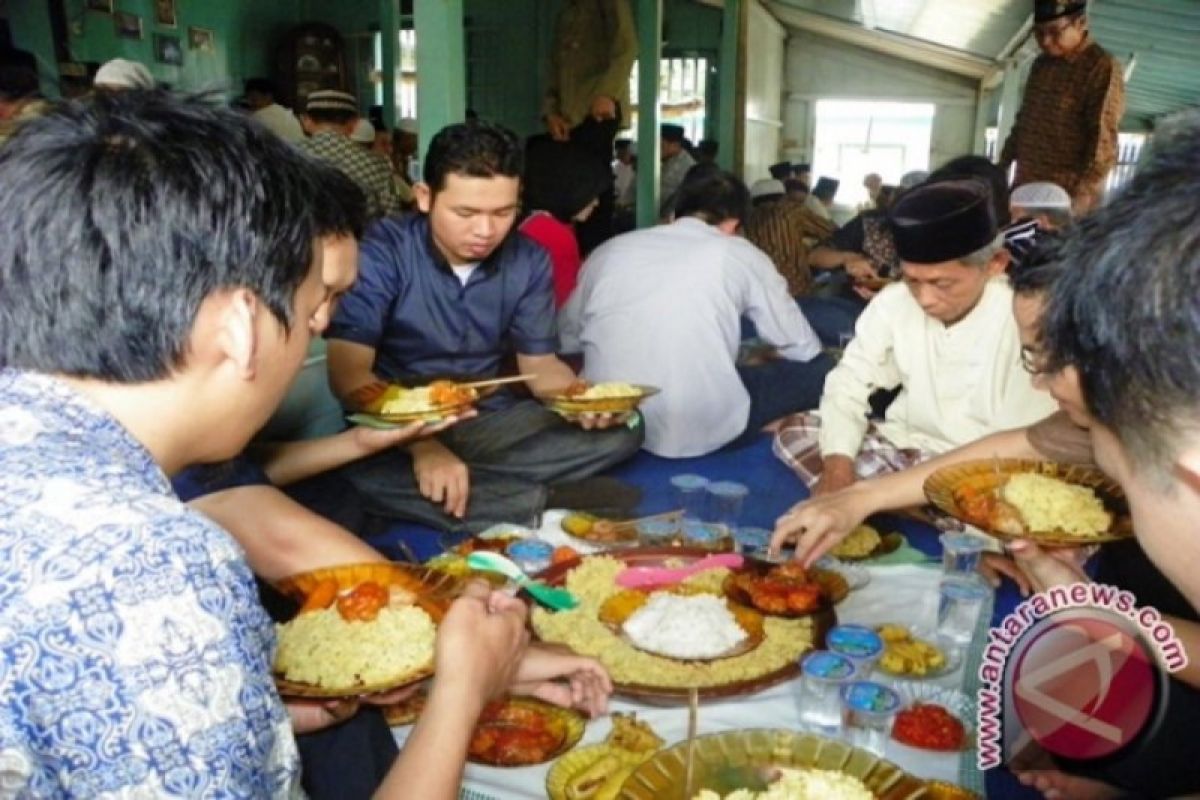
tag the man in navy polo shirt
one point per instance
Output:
(447, 293)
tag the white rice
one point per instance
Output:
(697, 626)
(601, 391)
(408, 401)
(803, 784)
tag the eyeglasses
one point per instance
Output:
(1032, 360)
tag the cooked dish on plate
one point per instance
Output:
(594, 530)
(597, 772)
(517, 732)
(906, 655)
(801, 784)
(683, 624)
(930, 727)
(786, 590)
(398, 400)
(600, 398)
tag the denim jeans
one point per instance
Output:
(831, 317)
(511, 454)
(780, 387)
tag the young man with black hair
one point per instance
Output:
(165, 257)
(676, 161)
(445, 294)
(329, 118)
(662, 306)
(260, 94)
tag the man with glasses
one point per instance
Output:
(1066, 129)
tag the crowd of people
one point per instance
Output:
(169, 264)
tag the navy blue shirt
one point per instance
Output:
(424, 323)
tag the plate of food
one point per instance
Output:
(636, 673)
(521, 731)
(1049, 503)
(360, 628)
(610, 397)
(751, 762)
(399, 405)
(911, 653)
(596, 531)
(933, 717)
(865, 542)
(683, 623)
(596, 772)
(786, 590)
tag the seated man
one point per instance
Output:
(946, 336)
(1037, 209)
(446, 293)
(165, 255)
(662, 306)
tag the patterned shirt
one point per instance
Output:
(1066, 129)
(783, 230)
(135, 659)
(368, 169)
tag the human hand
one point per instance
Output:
(480, 644)
(819, 523)
(1047, 568)
(441, 476)
(995, 566)
(837, 473)
(394, 696)
(600, 421)
(861, 269)
(564, 679)
(603, 107)
(310, 716)
(366, 397)
(864, 292)
(559, 128)
(372, 440)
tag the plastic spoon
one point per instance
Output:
(557, 599)
(646, 577)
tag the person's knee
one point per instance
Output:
(622, 442)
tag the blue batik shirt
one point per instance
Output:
(135, 658)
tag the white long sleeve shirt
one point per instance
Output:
(960, 382)
(662, 306)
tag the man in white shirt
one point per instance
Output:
(662, 306)
(260, 96)
(946, 335)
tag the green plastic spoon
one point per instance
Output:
(557, 599)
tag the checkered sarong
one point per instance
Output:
(796, 444)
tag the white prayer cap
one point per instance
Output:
(1041, 194)
(407, 124)
(121, 73)
(364, 132)
(767, 187)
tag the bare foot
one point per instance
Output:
(1057, 785)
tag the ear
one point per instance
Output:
(999, 262)
(349, 127)
(307, 124)
(1187, 467)
(424, 196)
(237, 336)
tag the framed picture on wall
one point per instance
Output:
(100, 5)
(201, 39)
(129, 26)
(164, 13)
(168, 50)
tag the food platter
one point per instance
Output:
(914, 654)
(624, 604)
(599, 770)
(597, 532)
(888, 543)
(958, 489)
(725, 762)
(956, 704)
(813, 633)
(438, 401)
(429, 591)
(568, 405)
(521, 731)
(833, 588)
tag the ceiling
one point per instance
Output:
(1161, 37)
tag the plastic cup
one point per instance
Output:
(689, 494)
(531, 555)
(822, 674)
(702, 534)
(869, 709)
(960, 601)
(858, 643)
(752, 541)
(961, 553)
(725, 499)
(658, 532)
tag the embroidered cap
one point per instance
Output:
(767, 187)
(331, 100)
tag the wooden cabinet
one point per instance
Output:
(311, 57)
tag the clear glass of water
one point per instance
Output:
(822, 674)
(725, 499)
(960, 601)
(870, 709)
(961, 553)
(689, 494)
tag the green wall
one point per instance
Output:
(29, 22)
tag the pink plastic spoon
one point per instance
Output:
(647, 577)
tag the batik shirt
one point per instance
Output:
(134, 655)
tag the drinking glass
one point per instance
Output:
(870, 709)
(689, 495)
(961, 553)
(752, 541)
(821, 676)
(960, 600)
(725, 499)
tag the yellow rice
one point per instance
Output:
(1048, 504)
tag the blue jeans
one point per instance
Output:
(778, 388)
(831, 317)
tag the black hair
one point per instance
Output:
(476, 149)
(1129, 318)
(978, 167)
(708, 147)
(342, 210)
(795, 185)
(123, 212)
(562, 177)
(17, 82)
(331, 116)
(262, 86)
(622, 144)
(713, 196)
(1040, 269)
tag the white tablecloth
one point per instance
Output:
(905, 594)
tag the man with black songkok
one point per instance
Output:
(945, 334)
(676, 161)
(1066, 128)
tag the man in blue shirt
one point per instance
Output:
(448, 293)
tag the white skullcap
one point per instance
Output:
(407, 124)
(364, 132)
(1041, 194)
(121, 73)
(914, 178)
(766, 187)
